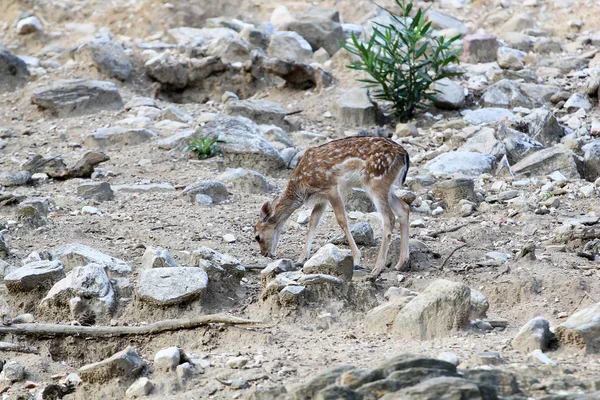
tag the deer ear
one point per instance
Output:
(266, 210)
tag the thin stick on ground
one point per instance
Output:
(448, 230)
(18, 348)
(450, 255)
(111, 331)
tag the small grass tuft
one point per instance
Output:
(204, 147)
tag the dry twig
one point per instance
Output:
(451, 253)
(18, 348)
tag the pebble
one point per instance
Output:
(229, 238)
(88, 210)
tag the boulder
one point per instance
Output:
(505, 93)
(319, 31)
(124, 365)
(354, 107)
(87, 292)
(35, 275)
(330, 260)
(534, 335)
(98, 191)
(517, 144)
(484, 142)
(289, 46)
(13, 71)
(108, 56)
(175, 285)
(167, 359)
(479, 305)
(75, 97)
(381, 318)
(17, 178)
(465, 163)
(245, 181)
(441, 309)
(259, 111)
(243, 145)
(546, 161)
(230, 50)
(542, 126)
(216, 190)
(157, 257)
(581, 330)
(76, 255)
(118, 136)
(577, 101)
(452, 191)
(449, 94)
(479, 48)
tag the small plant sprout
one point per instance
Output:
(404, 59)
(203, 147)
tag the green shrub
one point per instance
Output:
(203, 147)
(404, 59)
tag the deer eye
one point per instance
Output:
(257, 238)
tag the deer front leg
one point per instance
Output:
(315, 217)
(340, 215)
(402, 211)
(389, 220)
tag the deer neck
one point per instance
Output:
(289, 201)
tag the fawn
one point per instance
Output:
(372, 163)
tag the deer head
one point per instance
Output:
(266, 231)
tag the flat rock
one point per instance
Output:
(75, 97)
(260, 111)
(505, 93)
(124, 365)
(118, 136)
(177, 140)
(145, 188)
(546, 161)
(214, 189)
(487, 115)
(35, 275)
(466, 163)
(442, 308)
(98, 191)
(75, 255)
(167, 286)
(17, 178)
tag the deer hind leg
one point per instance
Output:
(315, 217)
(381, 199)
(340, 215)
(401, 209)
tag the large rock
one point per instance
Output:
(17, 178)
(518, 23)
(441, 309)
(505, 93)
(108, 56)
(75, 97)
(13, 71)
(546, 161)
(77, 255)
(319, 32)
(290, 46)
(125, 365)
(86, 291)
(296, 75)
(577, 101)
(118, 136)
(167, 286)
(517, 144)
(245, 181)
(591, 162)
(216, 190)
(465, 163)
(354, 107)
(157, 257)
(224, 271)
(581, 330)
(484, 142)
(534, 335)
(449, 94)
(243, 145)
(309, 389)
(260, 111)
(330, 260)
(452, 191)
(542, 126)
(230, 50)
(35, 275)
(98, 191)
(480, 48)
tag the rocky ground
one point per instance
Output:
(107, 226)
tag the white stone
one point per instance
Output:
(167, 359)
